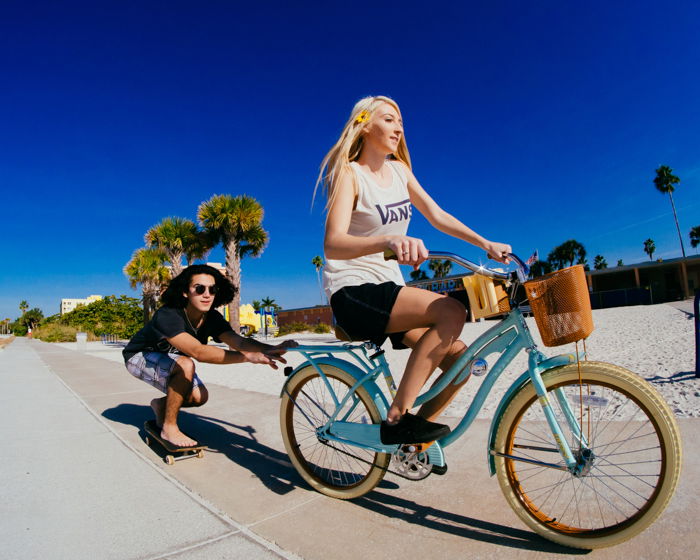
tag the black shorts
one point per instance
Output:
(363, 312)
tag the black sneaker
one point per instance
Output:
(411, 429)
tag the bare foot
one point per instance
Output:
(158, 406)
(173, 434)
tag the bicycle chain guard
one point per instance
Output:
(413, 465)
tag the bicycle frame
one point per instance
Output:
(508, 338)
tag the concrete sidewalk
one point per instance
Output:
(80, 483)
(74, 488)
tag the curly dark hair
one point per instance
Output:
(172, 297)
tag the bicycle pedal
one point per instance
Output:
(416, 447)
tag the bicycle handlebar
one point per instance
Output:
(523, 269)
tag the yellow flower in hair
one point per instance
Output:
(362, 117)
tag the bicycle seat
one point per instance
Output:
(340, 334)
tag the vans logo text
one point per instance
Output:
(394, 212)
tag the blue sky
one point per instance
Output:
(533, 122)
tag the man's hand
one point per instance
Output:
(266, 358)
(270, 355)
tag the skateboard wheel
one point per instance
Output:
(170, 459)
(148, 441)
(200, 454)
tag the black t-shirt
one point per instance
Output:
(168, 322)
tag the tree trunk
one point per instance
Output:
(175, 263)
(320, 289)
(233, 271)
(680, 237)
(144, 300)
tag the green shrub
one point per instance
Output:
(18, 329)
(320, 328)
(292, 328)
(120, 316)
(54, 332)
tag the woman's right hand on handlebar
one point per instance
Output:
(408, 250)
(498, 251)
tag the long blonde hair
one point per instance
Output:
(349, 146)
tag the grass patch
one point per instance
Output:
(53, 332)
(5, 341)
(320, 328)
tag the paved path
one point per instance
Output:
(73, 488)
(80, 483)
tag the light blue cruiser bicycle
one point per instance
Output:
(587, 454)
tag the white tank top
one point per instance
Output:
(379, 211)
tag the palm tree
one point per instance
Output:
(664, 182)
(440, 268)
(566, 253)
(317, 261)
(269, 302)
(695, 237)
(268, 305)
(175, 236)
(237, 223)
(540, 268)
(599, 262)
(418, 275)
(147, 267)
(23, 306)
(649, 247)
(199, 248)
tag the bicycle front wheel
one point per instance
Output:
(627, 474)
(330, 467)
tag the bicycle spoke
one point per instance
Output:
(337, 466)
(618, 470)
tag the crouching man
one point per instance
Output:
(163, 353)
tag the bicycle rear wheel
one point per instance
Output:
(330, 467)
(622, 486)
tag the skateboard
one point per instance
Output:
(175, 453)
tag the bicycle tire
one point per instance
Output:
(637, 447)
(335, 469)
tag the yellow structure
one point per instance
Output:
(250, 320)
(69, 304)
(248, 317)
(485, 297)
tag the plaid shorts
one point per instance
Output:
(155, 368)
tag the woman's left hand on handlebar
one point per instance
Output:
(408, 250)
(498, 251)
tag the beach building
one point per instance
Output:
(644, 283)
(309, 315)
(69, 304)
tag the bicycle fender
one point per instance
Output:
(519, 383)
(371, 387)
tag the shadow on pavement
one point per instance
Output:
(680, 376)
(460, 525)
(269, 465)
(239, 444)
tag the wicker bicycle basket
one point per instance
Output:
(561, 306)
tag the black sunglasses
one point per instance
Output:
(199, 289)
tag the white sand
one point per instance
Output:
(657, 342)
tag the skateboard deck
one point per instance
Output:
(175, 453)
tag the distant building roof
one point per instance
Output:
(694, 259)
